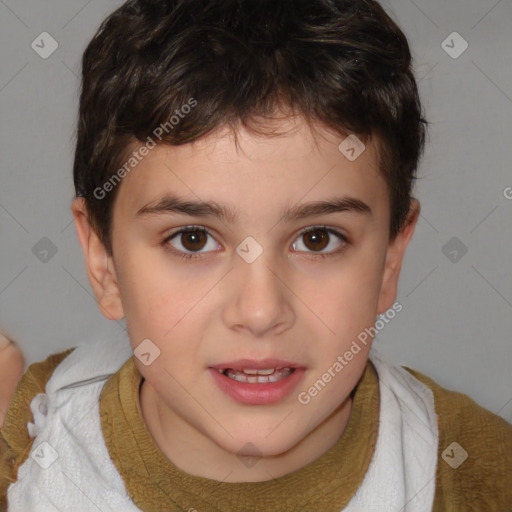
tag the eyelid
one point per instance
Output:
(329, 229)
(191, 227)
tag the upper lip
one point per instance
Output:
(256, 364)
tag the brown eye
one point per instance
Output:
(193, 239)
(316, 240)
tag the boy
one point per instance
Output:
(245, 381)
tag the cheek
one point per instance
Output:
(344, 301)
(348, 292)
(167, 311)
(157, 294)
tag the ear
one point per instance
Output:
(394, 258)
(100, 266)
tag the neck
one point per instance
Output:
(193, 452)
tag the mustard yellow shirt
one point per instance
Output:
(483, 482)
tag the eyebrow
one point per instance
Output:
(172, 204)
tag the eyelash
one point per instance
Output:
(193, 256)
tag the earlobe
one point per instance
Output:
(99, 264)
(394, 259)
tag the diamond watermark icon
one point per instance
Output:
(454, 45)
(249, 460)
(249, 249)
(454, 249)
(44, 250)
(146, 352)
(45, 455)
(454, 455)
(44, 45)
(351, 147)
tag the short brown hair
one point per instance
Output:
(342, 63)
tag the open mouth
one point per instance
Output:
(258, 376)
(271, 381)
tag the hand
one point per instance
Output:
(12, 367)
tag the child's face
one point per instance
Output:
(287, 304)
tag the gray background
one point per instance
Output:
(456, 322)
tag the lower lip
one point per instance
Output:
(257, 394)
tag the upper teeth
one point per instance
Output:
(250, 371)
(259, 372)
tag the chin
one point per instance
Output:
(259, 445)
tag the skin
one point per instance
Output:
(12, 366)
(289, 303)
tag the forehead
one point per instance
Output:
(257, 171)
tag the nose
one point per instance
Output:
(258, 298)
